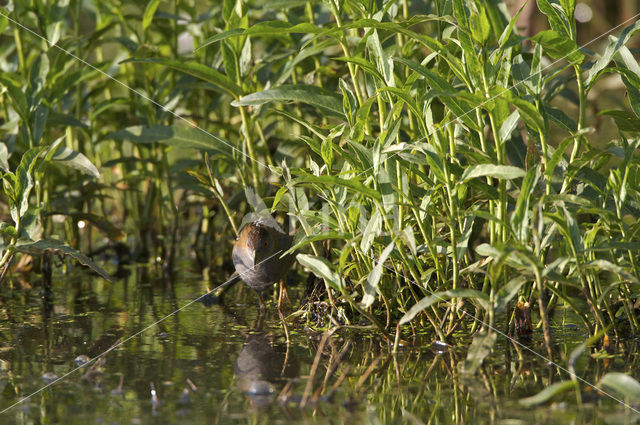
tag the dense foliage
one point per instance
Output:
(425, 150)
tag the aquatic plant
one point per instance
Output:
(438, 164)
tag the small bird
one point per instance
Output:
(257, 256)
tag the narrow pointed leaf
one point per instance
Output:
(42, 245)
(506, 172)
(323, 268)
(551, 391)
(371, 287)
(198, 70)
(622, 384)
(313, 95)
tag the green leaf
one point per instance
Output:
(446, 93)
(24, 182)
(325, 236)
(557, 18)
(367, 67)
(323, 268)
(530, 115)
(480, 348)
(520, 217)
(383, 62)
(4, 158)
(560, 118)
(389, 194)
(326, 151)
(559, 46)
(615, 43)
(55, 119)
(481, 297)
(75, 160)
(8, 230)
(613, 268)
(626, 121)
(508, 126)
(38, 247)
(352, 183)
(349, 102)
(371, 231)
(549, 392)
(181, 137)
(264, 29)
(362, 117)
(313, 95)
(230, 60)
(39, 120)
(371, 287)
(149, 11)
(507, 292)
(506, 172)
(574, 231)
(14, 88)
(198, 70)
(557, 156)
(622, 384)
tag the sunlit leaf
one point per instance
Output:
(559, 46)
(371, 286)
(622, 384)
(323, 268)
(38, 247)
(149, 11)
(352, 183)
(436, 297)
(198, 70)
(615, 43)
(313, 95)
(75, 160)
(505, 172)
(549, 392)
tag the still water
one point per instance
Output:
(214, 363)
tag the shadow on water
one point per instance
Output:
(226, 363)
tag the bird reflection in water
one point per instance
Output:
(263, 368)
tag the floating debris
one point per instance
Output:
(82, 360)
(440, 347)
(49, 377)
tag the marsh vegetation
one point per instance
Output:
(456, 186)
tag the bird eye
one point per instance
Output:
(265, 243)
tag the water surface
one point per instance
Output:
(216, 363)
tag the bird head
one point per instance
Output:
(259, 242)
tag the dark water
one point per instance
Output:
(213, 364)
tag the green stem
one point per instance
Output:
(250, 148)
